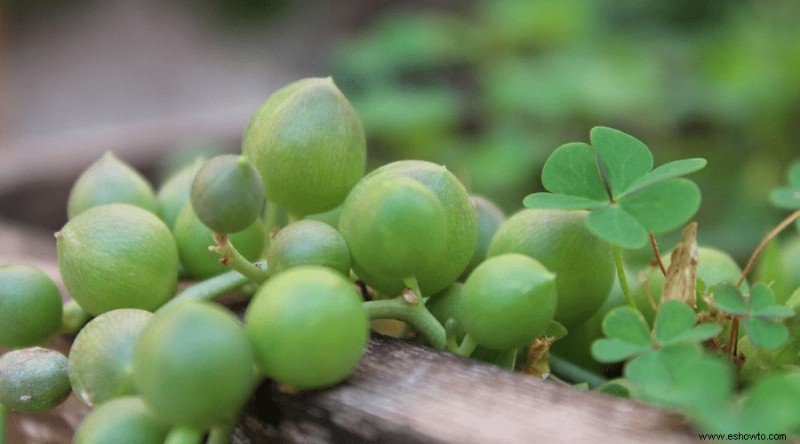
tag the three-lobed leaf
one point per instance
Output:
(788, 197)
(675, 323)
(761, 317)
(612, 178)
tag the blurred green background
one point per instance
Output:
(490, 88)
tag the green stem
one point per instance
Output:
(183, 435)
(451, 334)
(221, 434)
(231, 257)
(212, 287)
(3, 424)
(414, 314)
(574, 373)
(468, 345)
(623, 279)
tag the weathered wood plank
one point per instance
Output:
(405, 393)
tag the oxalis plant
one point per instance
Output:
(317, 250)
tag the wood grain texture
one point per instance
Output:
(405, 393)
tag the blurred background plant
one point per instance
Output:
(489, 88)
(492, 87)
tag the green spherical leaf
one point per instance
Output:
(227, 194)
(308, 144)
(508, 301)
(193, 365)
(124, 420)
(461, 227)
(193, 239)
(308, 327)
(489, 218)
(30, 306)
(33, 380)
(308, 242)
(560, 240)
(110, 180)
(101, 357)
(395, 227)
(117, 256)
(175, 192)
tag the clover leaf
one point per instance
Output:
(612, 178)
(788, 197)
(772, 403)
(681, 375)
(761, 317)
(628, 333)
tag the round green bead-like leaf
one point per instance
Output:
(663, 206)
(175, 192)
(308, 242)
(489, 217)
(572, 170)
(308, 327)
(508, 301)
(117, 256)
(193, 365)
(30, 306)
(307, 142)
(624, 158)
(395, 227)
(616, 226)
(124, 420)
(461, 226)
(110, 180)
(101, 357)
(193, 238)
(33, 380)
(227, 193)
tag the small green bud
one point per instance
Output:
(175, 192)
(110, 180)
(307, 142)
(30, 306)
(308, 242)
(227, 193)
(33, 380)
(120, 420)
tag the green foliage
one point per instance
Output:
(614, 179)
(629, 335)
(761, 316)
(788, 197)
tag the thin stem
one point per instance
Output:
(271, 216)
(231, 257)
(623, 280)
(468, 345)
(414, 314)
(767, 239)
(733, 339)
(183, 435)
(220, 434)
(656, 254)
(3, 423)
(574, 373)
(212, 287)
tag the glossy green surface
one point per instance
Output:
(30, 306)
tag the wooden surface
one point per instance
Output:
(400, 393)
